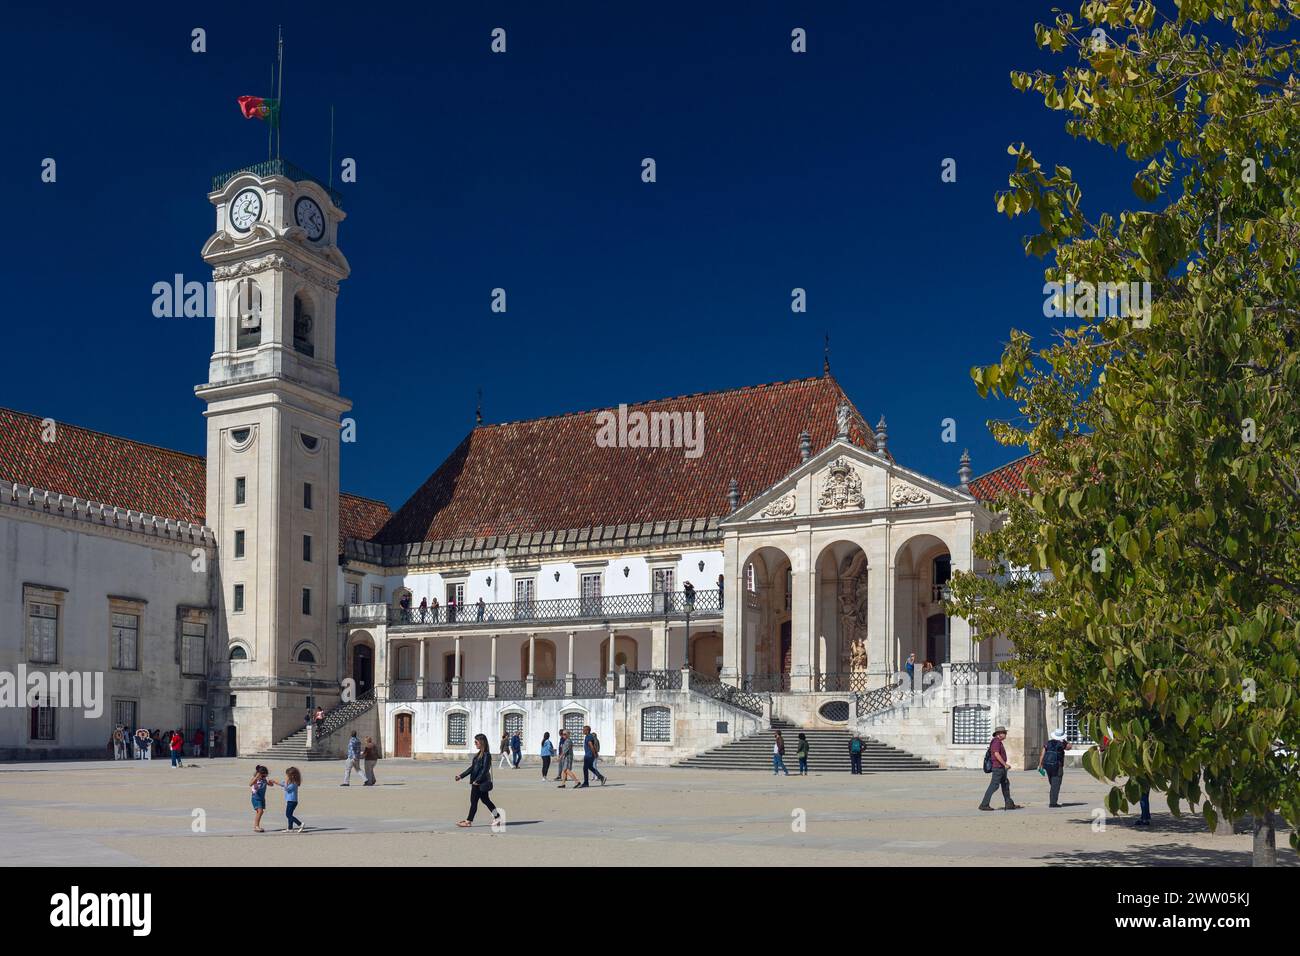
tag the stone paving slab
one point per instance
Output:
(142, 813)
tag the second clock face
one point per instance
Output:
(245, 210)
(308, 215)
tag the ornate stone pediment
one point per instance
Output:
(841, 489)
(905, 494)
(781, 508)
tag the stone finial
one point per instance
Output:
(805, 445)
(733, 494)
(882, 436)
(964, 472)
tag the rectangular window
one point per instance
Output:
(241, 486)
(376, 594)
(662, 586)
(239, 597)
(306, 547)
(456, 592)
(194, 661)
(42, 721)
(306, 495)
(43, 632)
(457, 729)
(354, 592)
(124, 714)
(591, 594)
(306, 600)
(525, 590)
(126, 641)
(239, 544)
(656, 725)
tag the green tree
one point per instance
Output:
(1165, 495)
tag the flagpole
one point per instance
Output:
(269, 127)
(279, 95)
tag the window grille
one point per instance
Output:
(457, 729)
(656, 725)
(970, 724)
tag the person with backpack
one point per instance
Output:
(996, 763)
(802, 753)
(590, 754)
(1051, 763)
(855, 754)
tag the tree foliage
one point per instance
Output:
(1165, 493)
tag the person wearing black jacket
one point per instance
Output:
(480, 780)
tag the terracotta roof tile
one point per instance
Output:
(548, 474)
(1010, 477)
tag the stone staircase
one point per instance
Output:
(294, 747)
(828, 752)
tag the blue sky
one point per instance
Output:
(522, 171)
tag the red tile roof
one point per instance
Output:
(548, 474)
(1010, 477)
(130, 474)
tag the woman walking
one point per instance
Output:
(505, 750)
(566, 759)
(480, 780)
(778, 752)
(548, 751)
(369, 754)
(257, 787)
(292, 780)
(803, 755)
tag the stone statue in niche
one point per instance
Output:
(853, 591)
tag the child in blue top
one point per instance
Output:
(257, 787)
(290, 784)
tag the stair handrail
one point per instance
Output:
(715, 689)
(357, 707)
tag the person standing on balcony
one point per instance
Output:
(424, 610)
(1051, 763)
(516, 750)
(369, 755)
(480, 780)
(721, 589)
(405, 603)
(590, 754)
(433, 611)
(505, 748)
(689, 590)
(910, 666)
(778, 755)
(481, 608)
(996, 763)
(451, 610)
(353, 759)
(548, 751)
(802, 752)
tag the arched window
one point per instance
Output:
(305, 656)
(247, 308)
(237, 653)
(303, 325)
(656, 725)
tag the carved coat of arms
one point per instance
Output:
(843, 488)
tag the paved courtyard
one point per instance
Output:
(135, 813)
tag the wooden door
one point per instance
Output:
(402, 736)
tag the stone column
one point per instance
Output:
(801, 617)
(492, 671)
(609, 674)
(419, 670)
(455, 665)
(530, 682)
(659, 646)
(733, 613)
(569, 676)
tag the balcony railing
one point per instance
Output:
(363, 614)
(674, 605)
(278, 167)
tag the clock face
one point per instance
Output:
(308, 215)
(245, 210)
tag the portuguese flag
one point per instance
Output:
(255, 107)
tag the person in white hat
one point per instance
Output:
(1051, 763)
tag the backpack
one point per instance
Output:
(1052, 756)
(988, 759)
(855, 746)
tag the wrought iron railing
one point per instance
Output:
(278, 167)
(590, 687)
(656, 604)
(474, 690)
(548, 688)
(965, 673)
(766, 683)
(343, 714)
(437, 690)
(714, 688)
(401, 690)
(654, 680)
(882, 698)
(844, 683)
(511, 688)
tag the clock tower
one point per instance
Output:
(273, 409)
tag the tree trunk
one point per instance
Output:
(1265, 850)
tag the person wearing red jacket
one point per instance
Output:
(198, 743)
(176, 743)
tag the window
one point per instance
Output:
(124, 714)
(237, 653)
(310, 442)
(354, 592)
(241, 490)
(43, 632)
(525, 591)
(573, 722)
(42, 721)
(305, 656)
(1076, 729)
(405, 663)
(239, 597)
(662, 586)
(513, 724)
(456, 593)
(302, 327)
(193, 720)
(970, 724)
(306, 600)
(239, 544)
(656, 725)
(126, 641)
(376, 594)
(591, 594)
(457, 729)
(248, 311)
(306, 547)
(751, 583)
(194, 658)
(306, 495)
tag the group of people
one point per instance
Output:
(258, 786)
(361, 757)
(146, 744)
(432, 613)
(856, 746)
(1051, 764)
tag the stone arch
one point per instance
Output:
(543, 659)
(306, 652)
(359, 661)
(767, 641)
(918, 600)
(706, 653)
(840, 616)
(239, 651)
(625, 653)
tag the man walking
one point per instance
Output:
(516, 750)
(353, 759)
(590, 753)
(995, 762)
